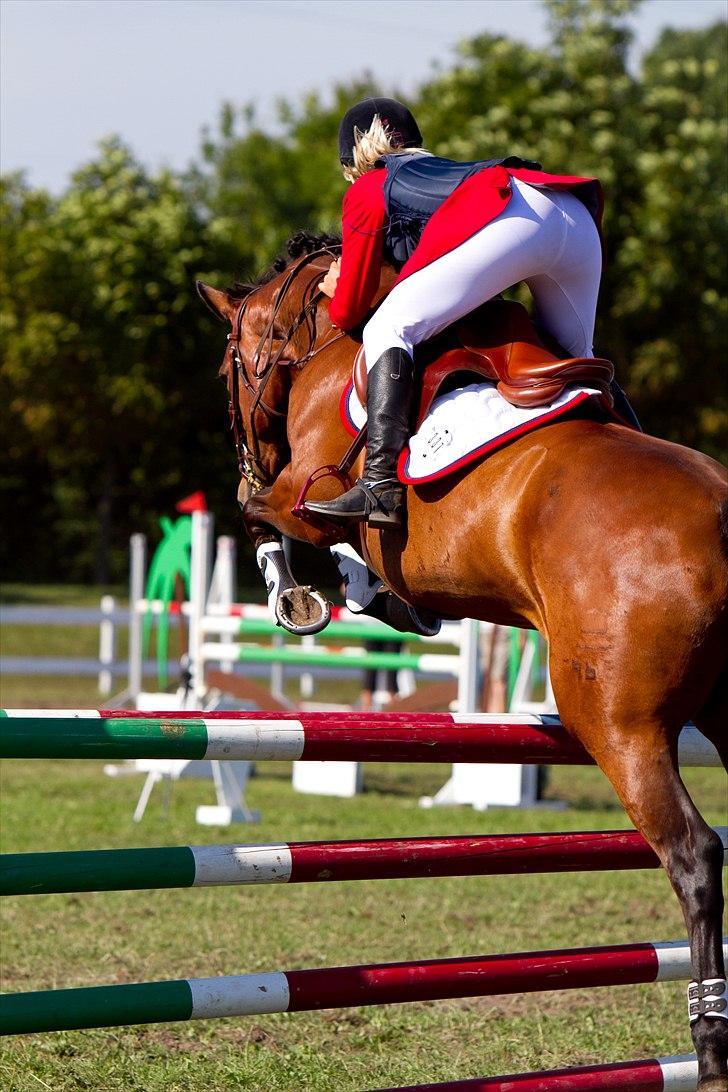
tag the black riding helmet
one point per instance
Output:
(393, 115)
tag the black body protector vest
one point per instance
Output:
(416, 186)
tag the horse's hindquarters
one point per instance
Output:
(606, 540)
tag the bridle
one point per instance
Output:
(256, 376)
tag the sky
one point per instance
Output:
(157, 71)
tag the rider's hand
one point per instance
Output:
(328, 284)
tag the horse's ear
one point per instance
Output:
(222, 305)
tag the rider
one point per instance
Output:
(459, 234)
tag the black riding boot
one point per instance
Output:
(378, 497)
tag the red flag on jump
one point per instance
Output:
(195, 502)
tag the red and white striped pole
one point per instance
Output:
(678, 1074)
(342, 987)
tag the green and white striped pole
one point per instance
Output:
(430, 663)
(315, 862)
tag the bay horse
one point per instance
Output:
(611, 543)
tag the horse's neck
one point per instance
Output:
(315, 431)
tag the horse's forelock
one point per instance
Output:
(240, 289)
(299, 245)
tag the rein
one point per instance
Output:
(247, 448)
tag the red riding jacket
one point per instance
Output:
(472, 205)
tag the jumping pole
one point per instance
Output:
(674, 1074)
(316, 862)
(352, 737)
(339, 987)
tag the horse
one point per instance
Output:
(611, 543)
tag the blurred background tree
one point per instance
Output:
(259, 188)
(670, 271)
(109, 363)
(108, 371)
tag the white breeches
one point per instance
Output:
(546, 238)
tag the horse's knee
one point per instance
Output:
(695, 867)
(712, 850)
(258, 527)
(265, 516)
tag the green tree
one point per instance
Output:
(108, 361)
(657, 141)
(24, 486)
(108, 378)
(671, 303)
(259, 188)
(568, 107)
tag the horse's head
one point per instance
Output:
(276, 326)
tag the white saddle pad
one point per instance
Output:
(464, 425)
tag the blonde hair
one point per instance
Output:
(370, 146)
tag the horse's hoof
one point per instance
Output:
(302, 610)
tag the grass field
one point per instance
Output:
(58, 941)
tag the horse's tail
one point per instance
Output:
(713, 717)
(723, 518)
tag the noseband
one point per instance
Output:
(256, 377)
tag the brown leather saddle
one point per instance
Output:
(498, 342)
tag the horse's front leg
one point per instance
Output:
(298, 608)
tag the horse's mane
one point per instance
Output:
(303, 242)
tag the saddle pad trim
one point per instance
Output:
(353, 416)
(494, 443)
(344, 413)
